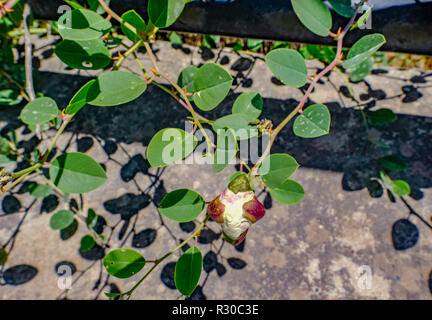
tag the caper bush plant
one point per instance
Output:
(87, 33)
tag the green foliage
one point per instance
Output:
(123, 263)
(226, 149)
(363, 19)
(175, 39)
(182, 205)
(210, 41)
(277, 168)
(10, 97)
(79, 100)
(82, 24)
(86, 55)
(212, 84)
(363, 49)
(313, 123)
(401, 188)
(187, 77)
(39, 190)
(39, 111)
(254, 44)
(393, 163)
(360, 71)
(342, 7)
(3, 256)
(5, 146)
(76, 173)
(87, 243)
(188, 271)
(61, 220)
(239, 123)
(248, 104)
(288, 66)
(164, 13)
(288, 193)
(115, 88)
(169, 146)
(382, 117)
(314, 15)
(136, 21)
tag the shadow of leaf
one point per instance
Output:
(167, 275)
(405, 234)
(19, 275)
(236, 263)
(144, 238)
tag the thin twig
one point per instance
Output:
(28, 55)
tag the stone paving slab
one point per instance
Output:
(313, 250)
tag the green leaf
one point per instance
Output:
(73, 4)
(212, 84)
(182, 205)
(211, 41)
(39, 190)
(115, 88)
(92, 218)
(238, 173)
(186, 78)
(123, 263)
(249, 104)
(237, 122)
(164, 13)
(76, 173)
(401, 188)
(39, 111)
(226, 149)
(9, 97)
(277, 168)
(313, 123)
(288, 66)
(342, 7)
(3, 256)
(382, 117)
(87, 243)
(363, 49)
(188, 271)
(5, 146)
(79, 100)
(393, 163)
(7, 160)
(136, 21)
(360, 71)
(386, 179)
(86, 55)
(175, 39)
(112, 294)
(363, 19)
(288, 193)
(82, 24)
(61, 220)
(314, 15)
(96, 6)
(254, 44)
(169, 146)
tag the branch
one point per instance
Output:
(28, 55)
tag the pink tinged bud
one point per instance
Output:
(253, 210)
(216, 210)
(237, 241)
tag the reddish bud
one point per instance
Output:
(237, 241)
(253, 210)
(216, 210)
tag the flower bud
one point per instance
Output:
(236, 209)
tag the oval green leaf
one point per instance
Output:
(382, 117)
(82, 24)
(87, 243)
(182, 205)
(186, 78)
(39, 111)
(360, 71)
(86, 55)
(188, 271)
(342, 7)
(401, 188)
(164, 13)
(226, 149)
(76, 172)
(79, 100)
(276, 168)
(249, 104)
(39, 190)
(115, 88)
(212, 84)
(3, 256)
(61, 220)
(288, 66)
(136, 21)
(123, 263)
(393, 163)
(314, 15)
(313, 123)
(169, 146)
(363, 49)
(238, 123)
(288, 193)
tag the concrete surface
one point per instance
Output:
(315, 250)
